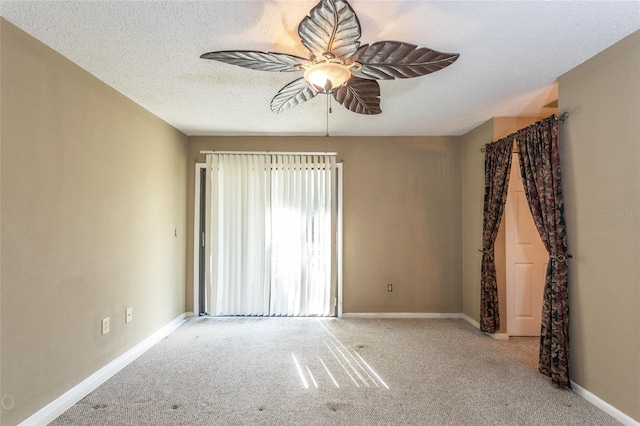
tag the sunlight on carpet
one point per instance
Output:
(333, 364)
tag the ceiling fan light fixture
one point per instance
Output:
(337, 63)
(326, 77)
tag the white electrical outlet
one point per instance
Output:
(105, 326)
(128, 314)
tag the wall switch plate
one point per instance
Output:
(389, 288)
(128, 314)
(105, 326)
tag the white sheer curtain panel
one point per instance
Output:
(271, 221)
(301, 243)
(238, 270)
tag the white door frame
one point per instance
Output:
(339, 194)
(196, 239)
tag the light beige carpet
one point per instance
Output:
(304, 371)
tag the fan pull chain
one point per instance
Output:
(329, 111)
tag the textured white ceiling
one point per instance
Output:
(510, 56)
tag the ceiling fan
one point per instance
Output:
(337, 63)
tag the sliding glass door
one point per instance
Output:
(270, 223)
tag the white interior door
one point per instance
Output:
(526, 260)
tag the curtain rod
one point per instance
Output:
(562, 118)
(269, 153)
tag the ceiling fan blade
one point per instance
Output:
(294, 93)
(388, 60)
(261, 61)
(360, 95)
(332, 26)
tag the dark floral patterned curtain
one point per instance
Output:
(497, 165)
(540, 168)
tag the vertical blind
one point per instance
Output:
(271, 228)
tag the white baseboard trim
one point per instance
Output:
(476, 324)
(498, 336)
(402, 315)
(604, 406)
(471, 321)
(52, 410)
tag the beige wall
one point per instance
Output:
(600, 145)
(401, 217)
(93, 187)
(472, 207)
